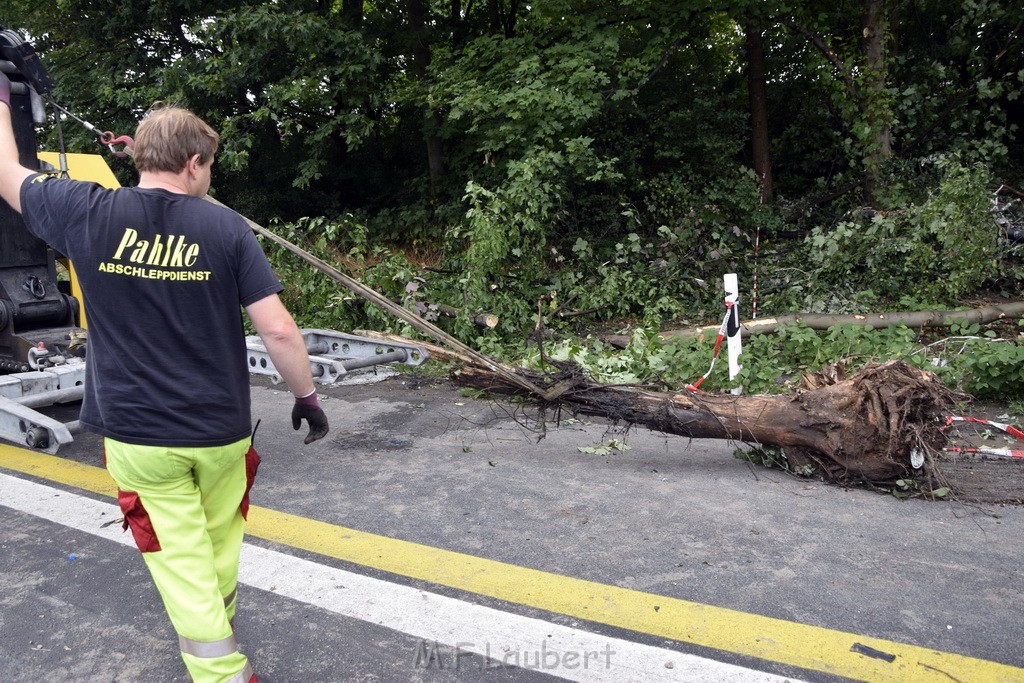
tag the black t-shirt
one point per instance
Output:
(163, 276)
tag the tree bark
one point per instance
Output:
(875, 107)
(820, 321)
(352, 10)
(488, 320)
(757, 91)
(421, 62)
(494, 15)
(874, 426)
(502, 16)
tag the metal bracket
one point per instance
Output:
(21, 424)
(22, 392)
(332, 355)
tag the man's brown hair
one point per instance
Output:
(169, 136)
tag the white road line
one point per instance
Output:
(448, 628)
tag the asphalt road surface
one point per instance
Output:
(436, 537)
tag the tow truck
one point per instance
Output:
(43, 331)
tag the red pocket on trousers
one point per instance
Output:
(136, 518)
(252, 463)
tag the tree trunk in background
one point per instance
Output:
(352, 10)
(421, 62)
(502, 19)
(823, 321)
(494, 15)
(875, 108)
(759, 138)
(457, 28)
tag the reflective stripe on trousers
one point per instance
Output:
(218, 648)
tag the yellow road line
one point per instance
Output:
(776, 640)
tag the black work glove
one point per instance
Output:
(308, 408)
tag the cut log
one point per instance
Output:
(821, 321)
(875, 426)
(488, 320)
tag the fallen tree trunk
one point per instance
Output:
(873, 426)
(821, 321)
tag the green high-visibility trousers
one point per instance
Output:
(184, 507)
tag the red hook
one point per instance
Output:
(107, 138)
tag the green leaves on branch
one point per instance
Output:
(946, 245)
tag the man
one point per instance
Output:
(164, 275)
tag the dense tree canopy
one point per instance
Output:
(652, 137)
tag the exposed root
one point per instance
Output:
(871, 426)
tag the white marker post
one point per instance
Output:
(732, 328)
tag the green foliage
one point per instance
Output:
(523, 106)
(956, 83)
(630, 278)
(988, 368)
(595, 162)
(646, 360)
(657, 258)
(505, 226)
(772, 457)
(769, 457)
(319, 302)
(510, 96)
(946, 245)
(912, 488)
(774, 363)
(327, 112)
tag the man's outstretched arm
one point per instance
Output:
(12, 173)
(287, 349)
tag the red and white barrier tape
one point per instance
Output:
(718, 348)
(1008, 428)
(1001, 452)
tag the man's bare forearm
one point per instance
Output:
(290, 358)
(12, 173)
(284, 343)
